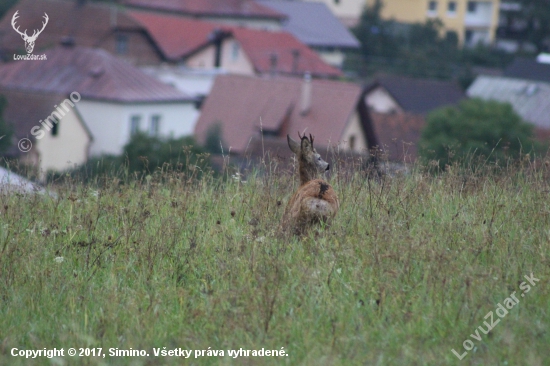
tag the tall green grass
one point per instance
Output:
(407, 271)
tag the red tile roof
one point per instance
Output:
(216, 8)
(398, 134)
(94, 73)
(87, 24)
(260, 45)
(178, 37)
(241, 103)
(175, 36)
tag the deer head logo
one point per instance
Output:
(29, 40)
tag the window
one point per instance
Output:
(154, 127)
(134, 124)
(472, 6)
(432, 6)
(121, 44)
(352, 142)
(451, 8)
(468, 36)
(55, 127)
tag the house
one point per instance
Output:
(57, 146)
(115, 99)
(348, 11)
(530, 99)
(397, 109)
(314, 25)
(389, 94)
(84, 23)
(255, 113)
(244, 13)
(207, 45)
(473, 21)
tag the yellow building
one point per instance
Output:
(473, 21)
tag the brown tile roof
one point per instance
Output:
(421, 95)
(240, 103)
(87, 24)
(24, 110)
(179, 37)
(215, 8)
(94, 73)
(398, 134)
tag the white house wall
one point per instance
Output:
(233, 58)
(109, 123)
(68, 148)
(354, 129)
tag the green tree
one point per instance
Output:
(147, 153)
(214, 139)
(474, 128)
(144, 154)
(6, 131)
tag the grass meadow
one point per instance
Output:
(407, 272)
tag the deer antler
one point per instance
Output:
(13, 19)
(35, 34)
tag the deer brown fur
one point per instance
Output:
(315, 201)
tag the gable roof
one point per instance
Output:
(87, 24)
(243, 104)
(420, 95)
(531, 100)
(523, 68)
(37, 106)
(313, 24)
(178, 37)
(93, 73)
(212, 8)
(175, 36)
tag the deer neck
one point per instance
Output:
(307, 172)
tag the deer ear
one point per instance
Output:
(306, 144)
(294, 146)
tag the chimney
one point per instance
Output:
(273, 59)
(67, 41)
(305, 97)
(216, 37)
(295, 60)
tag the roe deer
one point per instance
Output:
(315, 201)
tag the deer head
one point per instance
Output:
(29, 40)
(311, 163)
